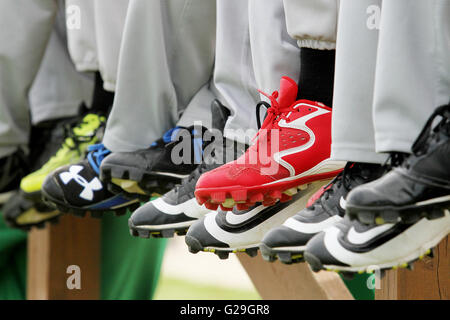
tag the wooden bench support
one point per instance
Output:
(430, 279)
(71, 242)
(276, 281)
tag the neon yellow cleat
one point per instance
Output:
(73, 150)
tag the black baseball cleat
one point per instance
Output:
(177, 210)
(225, 232)
(288, 241)
(351, 246)
(156, 169)
(12, 168)
(21, 213)
(77, 188)
(419, 187)
(172, 213)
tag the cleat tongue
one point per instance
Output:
(288, 92)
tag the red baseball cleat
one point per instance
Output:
(292, 150)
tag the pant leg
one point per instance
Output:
(274, 52)
(356, 50)
(81, 34)
(234, 80)
(312, 22)
(58, 88)
(413, 70)
(25, 27)
(109, 23)
(198, 109)
(167, 56)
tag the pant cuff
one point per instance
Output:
(357, 154)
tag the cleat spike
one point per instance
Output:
(285, 198)
(275, 194)
(259, 197)
(302, 187)
(218, 197)
(192, 250)
(228, 203)
(143, 234)
(268, 203)
(379, 220)
(181, 232)
(239, 195)
(167, 233)
(225, 208)
(252, 252)
(291, 191)
(242, 206)
(285, 257)
(211, 206)
(222, 254)
(201, 200)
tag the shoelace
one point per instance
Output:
(343, 179)
(97, 153)
(198, 171)
(76, 140)
(168, 136)
(274, 112)
(428, 133)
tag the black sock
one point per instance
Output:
(316, 75)
(102, 100)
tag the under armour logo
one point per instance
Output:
(89, 187)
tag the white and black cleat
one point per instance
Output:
(351, 246)
(225, 232)
(162, 218)
(288, 241)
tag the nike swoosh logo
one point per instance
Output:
(235, 219)
(299, 124)
(190, 208)
(356, 237)
(311, 228)
(342, 203)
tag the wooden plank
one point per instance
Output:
(71, 242)
(277, 281)
(296, 281)
(429, 280)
